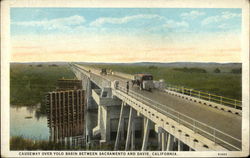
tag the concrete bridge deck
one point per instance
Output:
(223, 121)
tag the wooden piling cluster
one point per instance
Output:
(65, 109)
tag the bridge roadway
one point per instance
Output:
(223, 121)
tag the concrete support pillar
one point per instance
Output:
(163, 138)
(129, 131)
(68, 141)
(166, 142)
(180, 145)
(76, 142)
(52, 134)
(170, 142)
(175, 145)
(118, 135)
(143, 126)
(65, 142)
(56, 134)
(190, 149)
(175, 139)
(160, 140)
(133, 136)
(106, 123)
(122, 129)
(145, 135)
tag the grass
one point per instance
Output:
(224, 83)
(20, 143)
(29, 82)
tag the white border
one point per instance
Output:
(5, 57)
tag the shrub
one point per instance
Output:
(217, 70)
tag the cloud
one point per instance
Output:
(154, 20)
(176, 24)
(74, 24)
(224, 26)
(229, 15)
(218, 18)
(60, 23)
(192, 14)
(123, 20)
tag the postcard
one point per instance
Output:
(124, 78)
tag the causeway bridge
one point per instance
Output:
(177, 118)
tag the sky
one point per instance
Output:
(126, 34)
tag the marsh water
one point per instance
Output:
(26, 122)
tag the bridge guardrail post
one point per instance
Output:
(178, 117)
(209, 97)
(220, 99)
(194, 126)
(214, 137)
(235, 104)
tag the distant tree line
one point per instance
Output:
(53, 65)
(40, 65)
(153, 67)
(200, 70)
(191, 70)
(236, 71)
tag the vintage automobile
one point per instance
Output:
(144, 81)
(103, 71)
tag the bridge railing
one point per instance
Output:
(217, 136)
(97, 79)
(206, 96)
(100, 81)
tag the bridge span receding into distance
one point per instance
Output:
(177, 118)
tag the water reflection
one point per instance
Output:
(25, 122)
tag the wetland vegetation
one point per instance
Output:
(29, 82)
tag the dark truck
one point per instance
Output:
(144, 81)
(103, 71)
